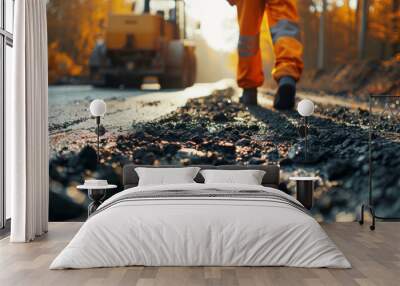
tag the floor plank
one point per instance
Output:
(375, 257)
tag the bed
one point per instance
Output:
(197, 224)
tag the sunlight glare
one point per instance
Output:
(353, 4)
(218, 25)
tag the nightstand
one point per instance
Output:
(305, 190)
(96, 194)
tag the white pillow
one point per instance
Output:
(247, 177)
(166, 176)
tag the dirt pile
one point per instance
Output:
(356, 79)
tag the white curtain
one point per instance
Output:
(28, 124)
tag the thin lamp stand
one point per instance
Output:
(370, 205)
(305, 109)
(98, 138)
(305, 138)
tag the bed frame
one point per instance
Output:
(130, 178)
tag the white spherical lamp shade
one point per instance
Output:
(98, 107)
(305, 107)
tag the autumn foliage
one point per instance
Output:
(342, 30)
(73, 29)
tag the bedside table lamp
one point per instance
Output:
(97, 109)
(305, 109)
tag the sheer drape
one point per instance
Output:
(28, 146)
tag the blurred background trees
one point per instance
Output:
(346, 30)
(74, 26)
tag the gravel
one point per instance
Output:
(217, 130)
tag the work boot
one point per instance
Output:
(249, 96)
(285, 96)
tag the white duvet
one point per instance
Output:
(200, 231)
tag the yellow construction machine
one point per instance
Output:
(150, 44)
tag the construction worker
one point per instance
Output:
(283, 25)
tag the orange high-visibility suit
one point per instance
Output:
(283, 25)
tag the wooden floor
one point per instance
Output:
(375, 257)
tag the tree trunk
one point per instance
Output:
(321, 37)
(351, 32)
(395, 26)
(146, 7)
(363, 29)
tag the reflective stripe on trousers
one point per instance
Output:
(285, 28)
(248, 45)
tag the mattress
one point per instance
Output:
(201, 225)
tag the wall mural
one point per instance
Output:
(168, 121)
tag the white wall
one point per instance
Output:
(8, 90)
(9, 26)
